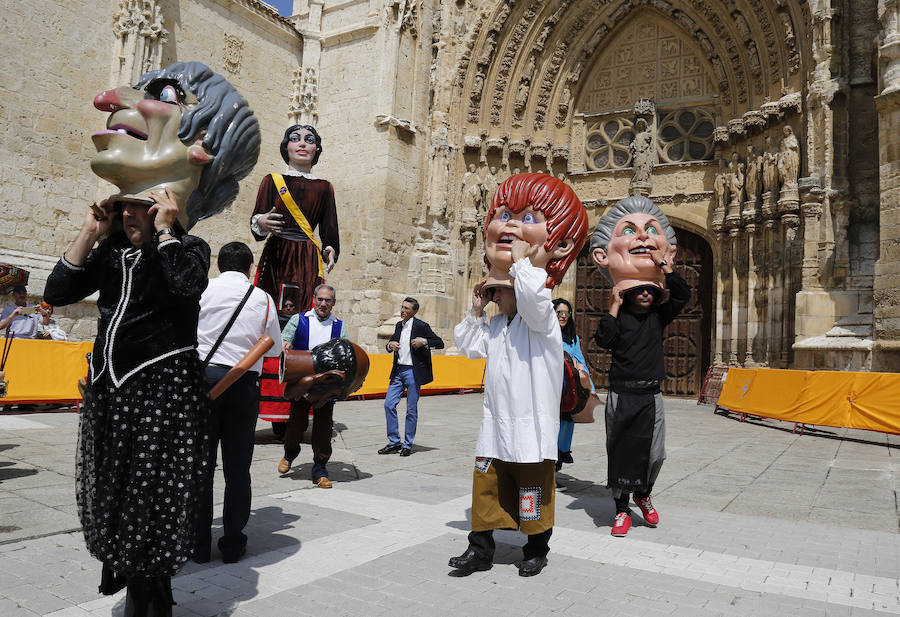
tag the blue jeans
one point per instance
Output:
(566, 431)
(404, 379)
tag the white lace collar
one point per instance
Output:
(302, 174)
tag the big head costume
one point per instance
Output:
(622, 241)
(513, 478)
(542, 210)
(141, 449)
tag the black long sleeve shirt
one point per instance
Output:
(149, 300)
(636, 341)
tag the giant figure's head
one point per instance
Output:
(182, 127)
(542, 211)
(333, 370)
(622, 241)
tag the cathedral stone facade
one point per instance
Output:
(768, 131)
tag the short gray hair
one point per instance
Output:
(324, 286)
(630, 205)
(232, 134)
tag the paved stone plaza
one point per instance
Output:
(755, 520)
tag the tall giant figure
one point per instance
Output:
(175, 145)
(289, 206)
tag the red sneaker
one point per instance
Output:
(651, 517)
(622, 525)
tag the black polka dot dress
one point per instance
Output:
(141, 458)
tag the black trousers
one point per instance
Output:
(233, 424)
(538, 544)
(322, 429)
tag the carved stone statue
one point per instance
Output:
(770, 167)
(478, 86)
(521, 96)
(789, 159)
(720, 187)
(472, 196)
(491, 182)
(736, 181)
(564, 101)
(754, 173)
(489, 45)
(642, 153)
(528, 72)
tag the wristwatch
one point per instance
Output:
(662, 263)
(168, 231)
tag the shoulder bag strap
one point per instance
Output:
(230, 323)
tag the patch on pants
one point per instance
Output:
(530, 503)
(483, 463)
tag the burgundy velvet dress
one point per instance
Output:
(290, 257)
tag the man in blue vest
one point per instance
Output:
(305, 331)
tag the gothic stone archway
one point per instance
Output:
(686, 343)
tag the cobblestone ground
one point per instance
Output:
(755, 520)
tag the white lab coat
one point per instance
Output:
(524, 375)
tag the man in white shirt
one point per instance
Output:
(22, 322)
(411, 345)
(304, 332)
(514, 478)
(233, 419)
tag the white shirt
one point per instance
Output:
(217, 304)
(403, 354)
(22, 326)
(320, 331)
(523, 378)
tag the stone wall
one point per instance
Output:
(47, 116)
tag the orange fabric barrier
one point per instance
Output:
(48, 371)
(45, 371)
(451, 373)
(868, 401)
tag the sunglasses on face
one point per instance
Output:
(653, 291)
(562, 313)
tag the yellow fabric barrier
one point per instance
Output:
(451, 373)
(48, 371)
(869, 401)
(45, 371)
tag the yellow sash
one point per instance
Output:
(295, 211)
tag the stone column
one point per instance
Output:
(140, 36)
(841, 205)
(790, 223)
(773, 301)
(722, 275)
(754, 319)
(811, 209)
(886, 356)
(734, 358)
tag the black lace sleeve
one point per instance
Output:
(185, 264)
(68, 283)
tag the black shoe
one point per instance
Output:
(470, 562)
(200, 555)
(405, 451)
(233, 557)
(390, 449)
(532, 567)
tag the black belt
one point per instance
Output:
(228, 368)
(636, 386)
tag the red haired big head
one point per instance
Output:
(541, 210)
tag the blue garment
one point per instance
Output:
(403, 379)
(567, 427)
